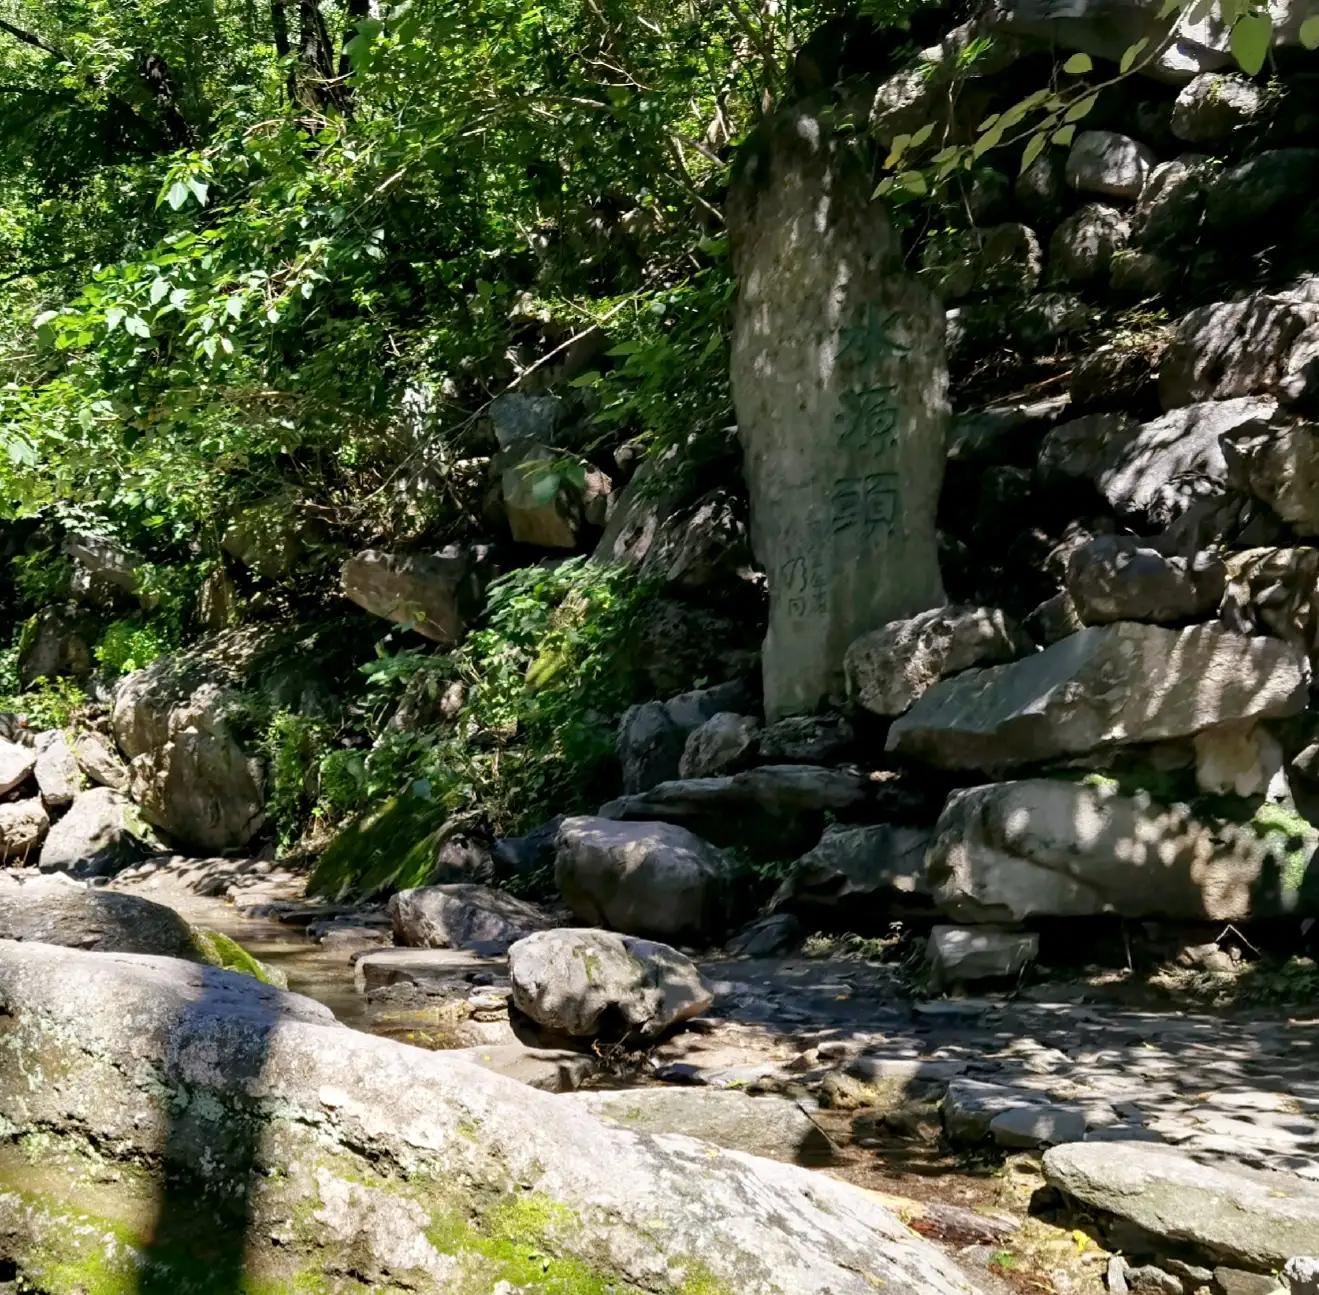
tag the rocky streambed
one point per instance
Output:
(1053, 1138)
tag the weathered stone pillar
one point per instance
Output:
(840, 385)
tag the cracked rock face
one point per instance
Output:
(448, 1186)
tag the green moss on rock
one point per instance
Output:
(221, 951)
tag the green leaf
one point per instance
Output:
(1131, 54)
(1034, 147)
(233, 307)
(1081, 108)
(113, 318)
(177, 195)
(159, 291)
(200, 189)
(914, 182)
(1251, 38)
(922, 135)
(136, 326)
(1079, 64)
(545, 487)
(1309, 33)
(1063, 137)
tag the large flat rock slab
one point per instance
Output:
(1254, 1219)
(382, 1164)
(1103, 685)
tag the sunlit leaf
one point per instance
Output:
(1079, 64)
(1251, 36)
(1034, 147)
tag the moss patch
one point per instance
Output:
(390, 849)
(219, 950)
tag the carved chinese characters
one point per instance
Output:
(840, 386)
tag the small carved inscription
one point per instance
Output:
(870, 502)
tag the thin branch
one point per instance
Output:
(28, 38)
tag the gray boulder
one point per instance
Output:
(767, 937)
(1213, 106)
(1273, 590)
(516, 416)
(958, 954)
(16, 764)
(653, 735)
(1301, 1275)
(1270, 186)
(1180, 445)
(23, 827)
(57, 910)
(1085, 448)
(433, 593)
(272, 537)
(1277, 461)
(1046, 321)
(54, 645)
(58, 777)
(1171, 207)
(98, 836)
(653, 879)
(1113, 377)
(596, 984)
(806, 739)
(891, 667)
(1252, 1218)
(723, 744)
(1049, 848)
(1084, 245)
(103, 570)
(699, 546)
(418, 1191)
(876, 869)
(1138, 275)
(1117, 578)
(1102, 686)
(1039, 1126)
(1104, 162)
(1232, 348)
(461, 915)
(997, 258)
(99, 761)
(549, 498)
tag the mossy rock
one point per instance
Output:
(392, 848)
(219, 950)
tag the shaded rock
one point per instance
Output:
(1112, 376)
(1274, 591)
(103, 570)
(460, 915)
(1105, 684)
(765, 1125)
(843, 523)
(1002, 433)
(98, 836)
(1245, 1216)
(1236, 759)
(1270, 186)
(723, 744)
(1299, 384)
(1039, 1126)
(702, 545)
(1085, 448)
(1045, 847)
(596, 984)
(217, 601)
(1213, 106)
(1041, 189)
(998, 258)
(55, 910)
(645, 878)
(433, 593)
(771, 811)
(679, 642)
(1184, 443)
(854, 871)
(1142, 274)
(652, 736)
(1044, 322)
(1116, 578)
(957, 954)
(272, 537)
(1084, 245)
(1277, 461)
(57, 773)
(640, 515)
(16, 764)
(1301, 1275)
(1104, 162)
(1053, 620)
(1232, 348)
(53, 645)
(23, 826)
(551, 1070)
(522, 856)
(99, 761)
(325, 1147)
(550, 499)
(806, 739)
(515, 417)
(891, 667)
(970, 1107)
(767, 937)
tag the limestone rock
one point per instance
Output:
(891, 667)
(97, 837)
(763, 1125)
(957, 954)
(1104, 162)
(1134, 274)
(57, 773)
(516, 417)
(970, 1107)
(769, 811)
(767, 937)
(1232, 348)
(56, 910)
(460, 915)
(652, 735)
(99, 761)
(1001, 433)
(1084, 245)
(1053, 620)
(1085, 448)
(701, 546)
(1301, 1274)
(1041, 189)
(1237, 759)
(806, 739)
(410, 1192)
(1116, 578)
(271, 537)
(103, 570)
(1277, 461)
(843, 523)
(1047, 320)
(433, 593)
(1104, 685)
(1180, 444)
(654, 879)
(1270, 186)
(723, 744)
(1039, 1126)
(853, 870)
(1213, 106)
(53, 645)
(1112, 377)
(23, 826)
(16, 764)
(551, 1070)
(1274, 591)
(595, 984)
(549, 499)
(998, 258)
(1049, 848)
(1254, 1218)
